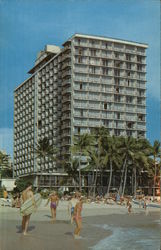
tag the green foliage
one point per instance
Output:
(1, 192)
(45, 194)
(21, 184)
(45, 149)
(6, 173)
(5, 166)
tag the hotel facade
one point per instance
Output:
(91, 81)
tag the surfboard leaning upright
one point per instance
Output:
(28, 207)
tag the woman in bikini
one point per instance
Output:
(54, 200)
(78, 219)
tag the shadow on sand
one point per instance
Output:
(19, 228)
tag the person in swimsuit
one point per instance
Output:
(78, 219)
(27, 194)
(71, 205)
(129, 206)
(54, 201)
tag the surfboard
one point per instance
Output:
(28, 207)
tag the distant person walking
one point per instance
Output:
(27, 194)
(129, 206)
(5, 194)
(78, 219)
(71, 205)
(54, 201)
(145, 206)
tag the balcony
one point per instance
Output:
(66, 82)
(66, 64)
(66, 99)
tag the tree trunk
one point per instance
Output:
(95, 181)
(110, 178)
(92, 183)
(125, 177)
(122, 174)
(135, 182)
(154, 178)
(101, 182)
(80, 180)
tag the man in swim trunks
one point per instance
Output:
(74, 200)
(54, 201)
(27, 194)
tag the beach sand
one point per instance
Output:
(43, 235)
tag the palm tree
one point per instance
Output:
(96, 152)
(156, 153)
(140, 162)
(95, 164)
(44, 149)
(111, 157)
(5, 165)
(127, 150)
(82, 143)
(71, 167)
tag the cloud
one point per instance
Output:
(6, 140)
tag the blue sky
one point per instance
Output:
(26, 26)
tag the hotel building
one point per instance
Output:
(90, 81)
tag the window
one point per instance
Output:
(93, 52)
(104, 71)
(118, 115)
(117, 89)
(104, 62)
(39, 124)
(129, 133)
(117, 64)
(80, 59)
(128, 83)
(128, 57)
(128, 73)
(139, 100)
(92, 70)
(117, 81)
(81, 86)
(141, 117)
(117, 98)
(129, 124)
(117, 132)
(81, 112)
(116, 55)
(80, 51)
(105, 105)
(139, 67)
(106, 123)
(92, 42)
(129, 99)
(79, 41)
(139, 58)
(128, 65)
(117, 72)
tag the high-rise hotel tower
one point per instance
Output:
(91, 81)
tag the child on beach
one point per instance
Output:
(71, 205)
(129, 206)
(54, 201)
(145, 206)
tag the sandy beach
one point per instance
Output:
(100, 222)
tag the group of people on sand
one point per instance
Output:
(74, 209)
